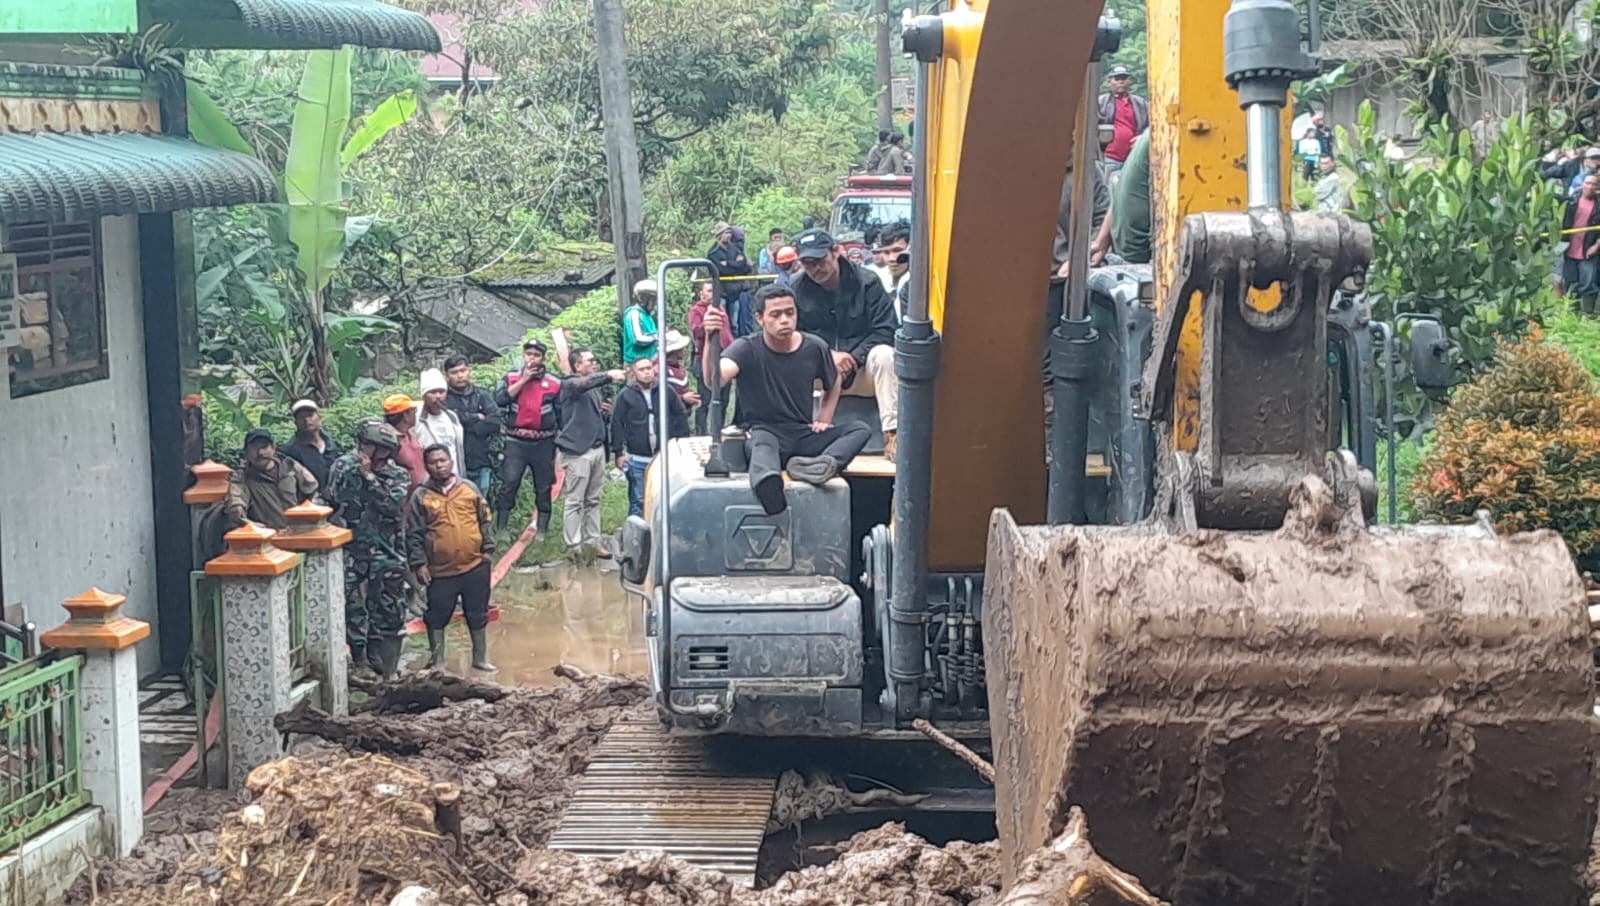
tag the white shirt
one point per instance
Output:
(444, 428)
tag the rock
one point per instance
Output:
(415, 896)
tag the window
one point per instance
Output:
(859, 218)
(61, 308)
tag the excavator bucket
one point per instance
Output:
(1309, 715)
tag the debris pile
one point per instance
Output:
(323, 828)
(513, 754)
(443, 792)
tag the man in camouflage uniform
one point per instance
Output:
(368, 490)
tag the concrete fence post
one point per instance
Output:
(255, 581)
(322, 543)
(108, 693)
(210, 487)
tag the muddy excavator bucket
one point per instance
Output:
(1308, 715)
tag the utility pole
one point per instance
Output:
(622, 148)
(880, 19)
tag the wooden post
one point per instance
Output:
(622, 149)
(108, 699)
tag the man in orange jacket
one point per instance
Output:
(448, 545)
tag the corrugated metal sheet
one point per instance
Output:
(332, 23)
(591, 274)
(77, 177)
(476, 315)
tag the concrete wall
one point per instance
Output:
(77, 508)
(1498, 84)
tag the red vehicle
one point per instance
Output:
(868, 204)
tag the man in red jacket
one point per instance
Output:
(532, 395)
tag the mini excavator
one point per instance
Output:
(1188, 623)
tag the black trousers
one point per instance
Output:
(522, 455)
(772, 446)
(470, 589)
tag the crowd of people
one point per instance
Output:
(1574, 174)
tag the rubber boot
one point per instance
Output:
(480, 650)
(435, 649)
(502, 519)
(544, 523)
(360, 667)
(387, 656)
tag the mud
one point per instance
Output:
(556, 615)
(515, 760)
(885, 865)
(1260, 719)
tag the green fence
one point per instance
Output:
(41, 776)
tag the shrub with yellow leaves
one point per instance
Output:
(1522, 441)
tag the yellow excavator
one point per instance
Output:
(1257, 696)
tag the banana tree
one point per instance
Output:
(319, 156)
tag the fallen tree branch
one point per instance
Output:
(419, 692)
(984, 768)
(352, 732)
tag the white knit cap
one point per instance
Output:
(433, 379)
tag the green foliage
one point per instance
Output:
(1134, 51)
(691, 63)
(1578, 335)
(1459, 238)
(1522, 441)
(1408, 456)
(774, 206)
(313, 179)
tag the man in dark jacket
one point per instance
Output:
(1125, 112)
(634, 432)
(311, 446)
(480, 420)
(1580, 266)
(581, 449)
(729, 257)
(848, 308)
(267, 483)
(531, 397)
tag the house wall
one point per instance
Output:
(77, 508)
(1497, 84)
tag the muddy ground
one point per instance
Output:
(371, 820)
(355, 823)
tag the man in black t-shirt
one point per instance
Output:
(776, 370)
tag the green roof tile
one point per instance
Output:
(76, 177)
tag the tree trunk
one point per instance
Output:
(319, 365)
(622, 148)
(880, 17)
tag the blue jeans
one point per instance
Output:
(635, 473)
(481, 478)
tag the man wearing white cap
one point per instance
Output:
(311, 446)
(677, 372)
(436, 424)
(638, 324)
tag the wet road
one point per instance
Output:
(555, 615)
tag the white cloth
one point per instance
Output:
(444, 428)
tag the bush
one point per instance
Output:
(1578, 335)
(1522, 441)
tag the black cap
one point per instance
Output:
(1119, 72)
(813, 244)
(257, 436)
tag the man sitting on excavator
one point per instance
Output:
(776, 370)
(847, 306)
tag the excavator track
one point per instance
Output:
(647, 790)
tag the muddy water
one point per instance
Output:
(556, 615)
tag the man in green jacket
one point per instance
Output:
(1130, 205)
(639, 324)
